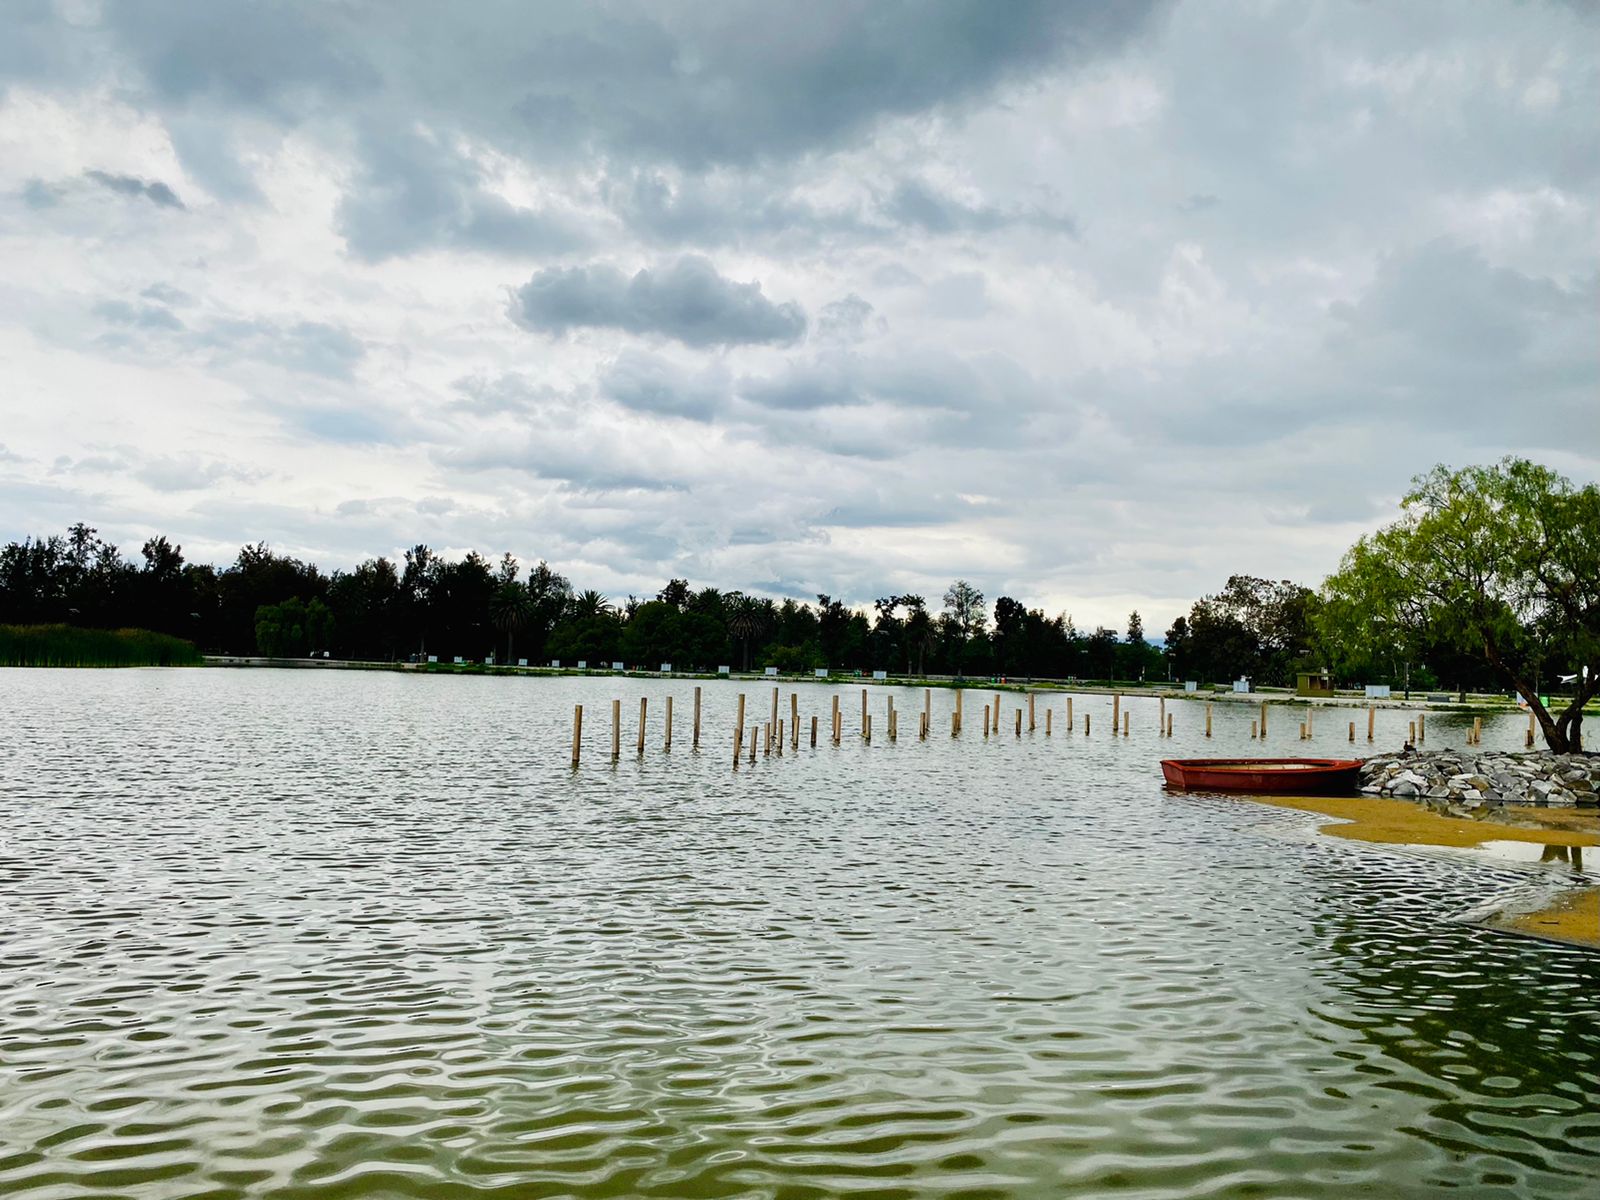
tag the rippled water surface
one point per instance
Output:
(328, 934)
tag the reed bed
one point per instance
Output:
(70, 646)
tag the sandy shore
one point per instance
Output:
(1573, 916)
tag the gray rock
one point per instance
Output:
(1405, 788)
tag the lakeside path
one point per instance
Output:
(1572, 915)
(1477, 702)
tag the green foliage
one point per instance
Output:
(70, 646)
(1253, 627)
(294, 628)
(1497, 564)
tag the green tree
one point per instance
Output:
(1501, 563)
(510, 608)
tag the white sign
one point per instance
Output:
(1377, 691)
(722, 670)
(1241, 685)
(1190, 685)
(583, 664)
(880, 674)
(822, 672)
(772, 670)
(666, 668)
(458, 658)
(616, 666)
(556, 663)
(433, 658)
(522, 662)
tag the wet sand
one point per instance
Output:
(1571, 917)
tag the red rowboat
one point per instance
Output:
(1269, 776)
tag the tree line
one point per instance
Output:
(1488, 580)
(474, 607)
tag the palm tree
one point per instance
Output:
(589, 604)
(919, 632)
(744, 618)
(509, 609)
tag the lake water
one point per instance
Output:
(327, 934)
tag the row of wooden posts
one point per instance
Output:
(776, 728)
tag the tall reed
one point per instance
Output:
(70, 646)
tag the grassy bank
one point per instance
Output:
(69, 646)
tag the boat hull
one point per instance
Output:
(1265, 776)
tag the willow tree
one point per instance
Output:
(1502, 563)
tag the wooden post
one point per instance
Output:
(1124, 724)
(780, 738)
(1352, 731)
(813, 733)
(738, 731)
(643, 700)
(774, 718)
(927, 709)
(577, 733)
(695, 744)
(997, 714)
(1169, 724)
(835, 728)
(1161, 715)
(1530, 728)
(955, 718)
(1116, 710)
(1252, 729)
(866, 728)
(1031, 725)
(1263, 720)
(922, 727)
(863, 711)
(1047, 713)
(1069, 714)
(667, 745)
(1422, 728)
(794, 720)
(1208, 718)
(1372, 715)
(1019, 722)
(1311, 716)
(753, 733)
(890, 720)
(1412, 737)
(616, 730)
(1086, 724)
(1477, 731)
(985, 720)
(766, 739)
(1302, 731)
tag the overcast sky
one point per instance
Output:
(1093, 305)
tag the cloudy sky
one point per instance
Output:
(1091, 304)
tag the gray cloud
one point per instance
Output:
(687, 300)
(129, 185)
(307, 347)
(676, 81)
(848, 319)
(142, 316)
(413, 193)
(915, 202)
(649, 384)
(1002, 302)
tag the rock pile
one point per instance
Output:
(1467, 780)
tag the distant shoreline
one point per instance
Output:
(1167, 691)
